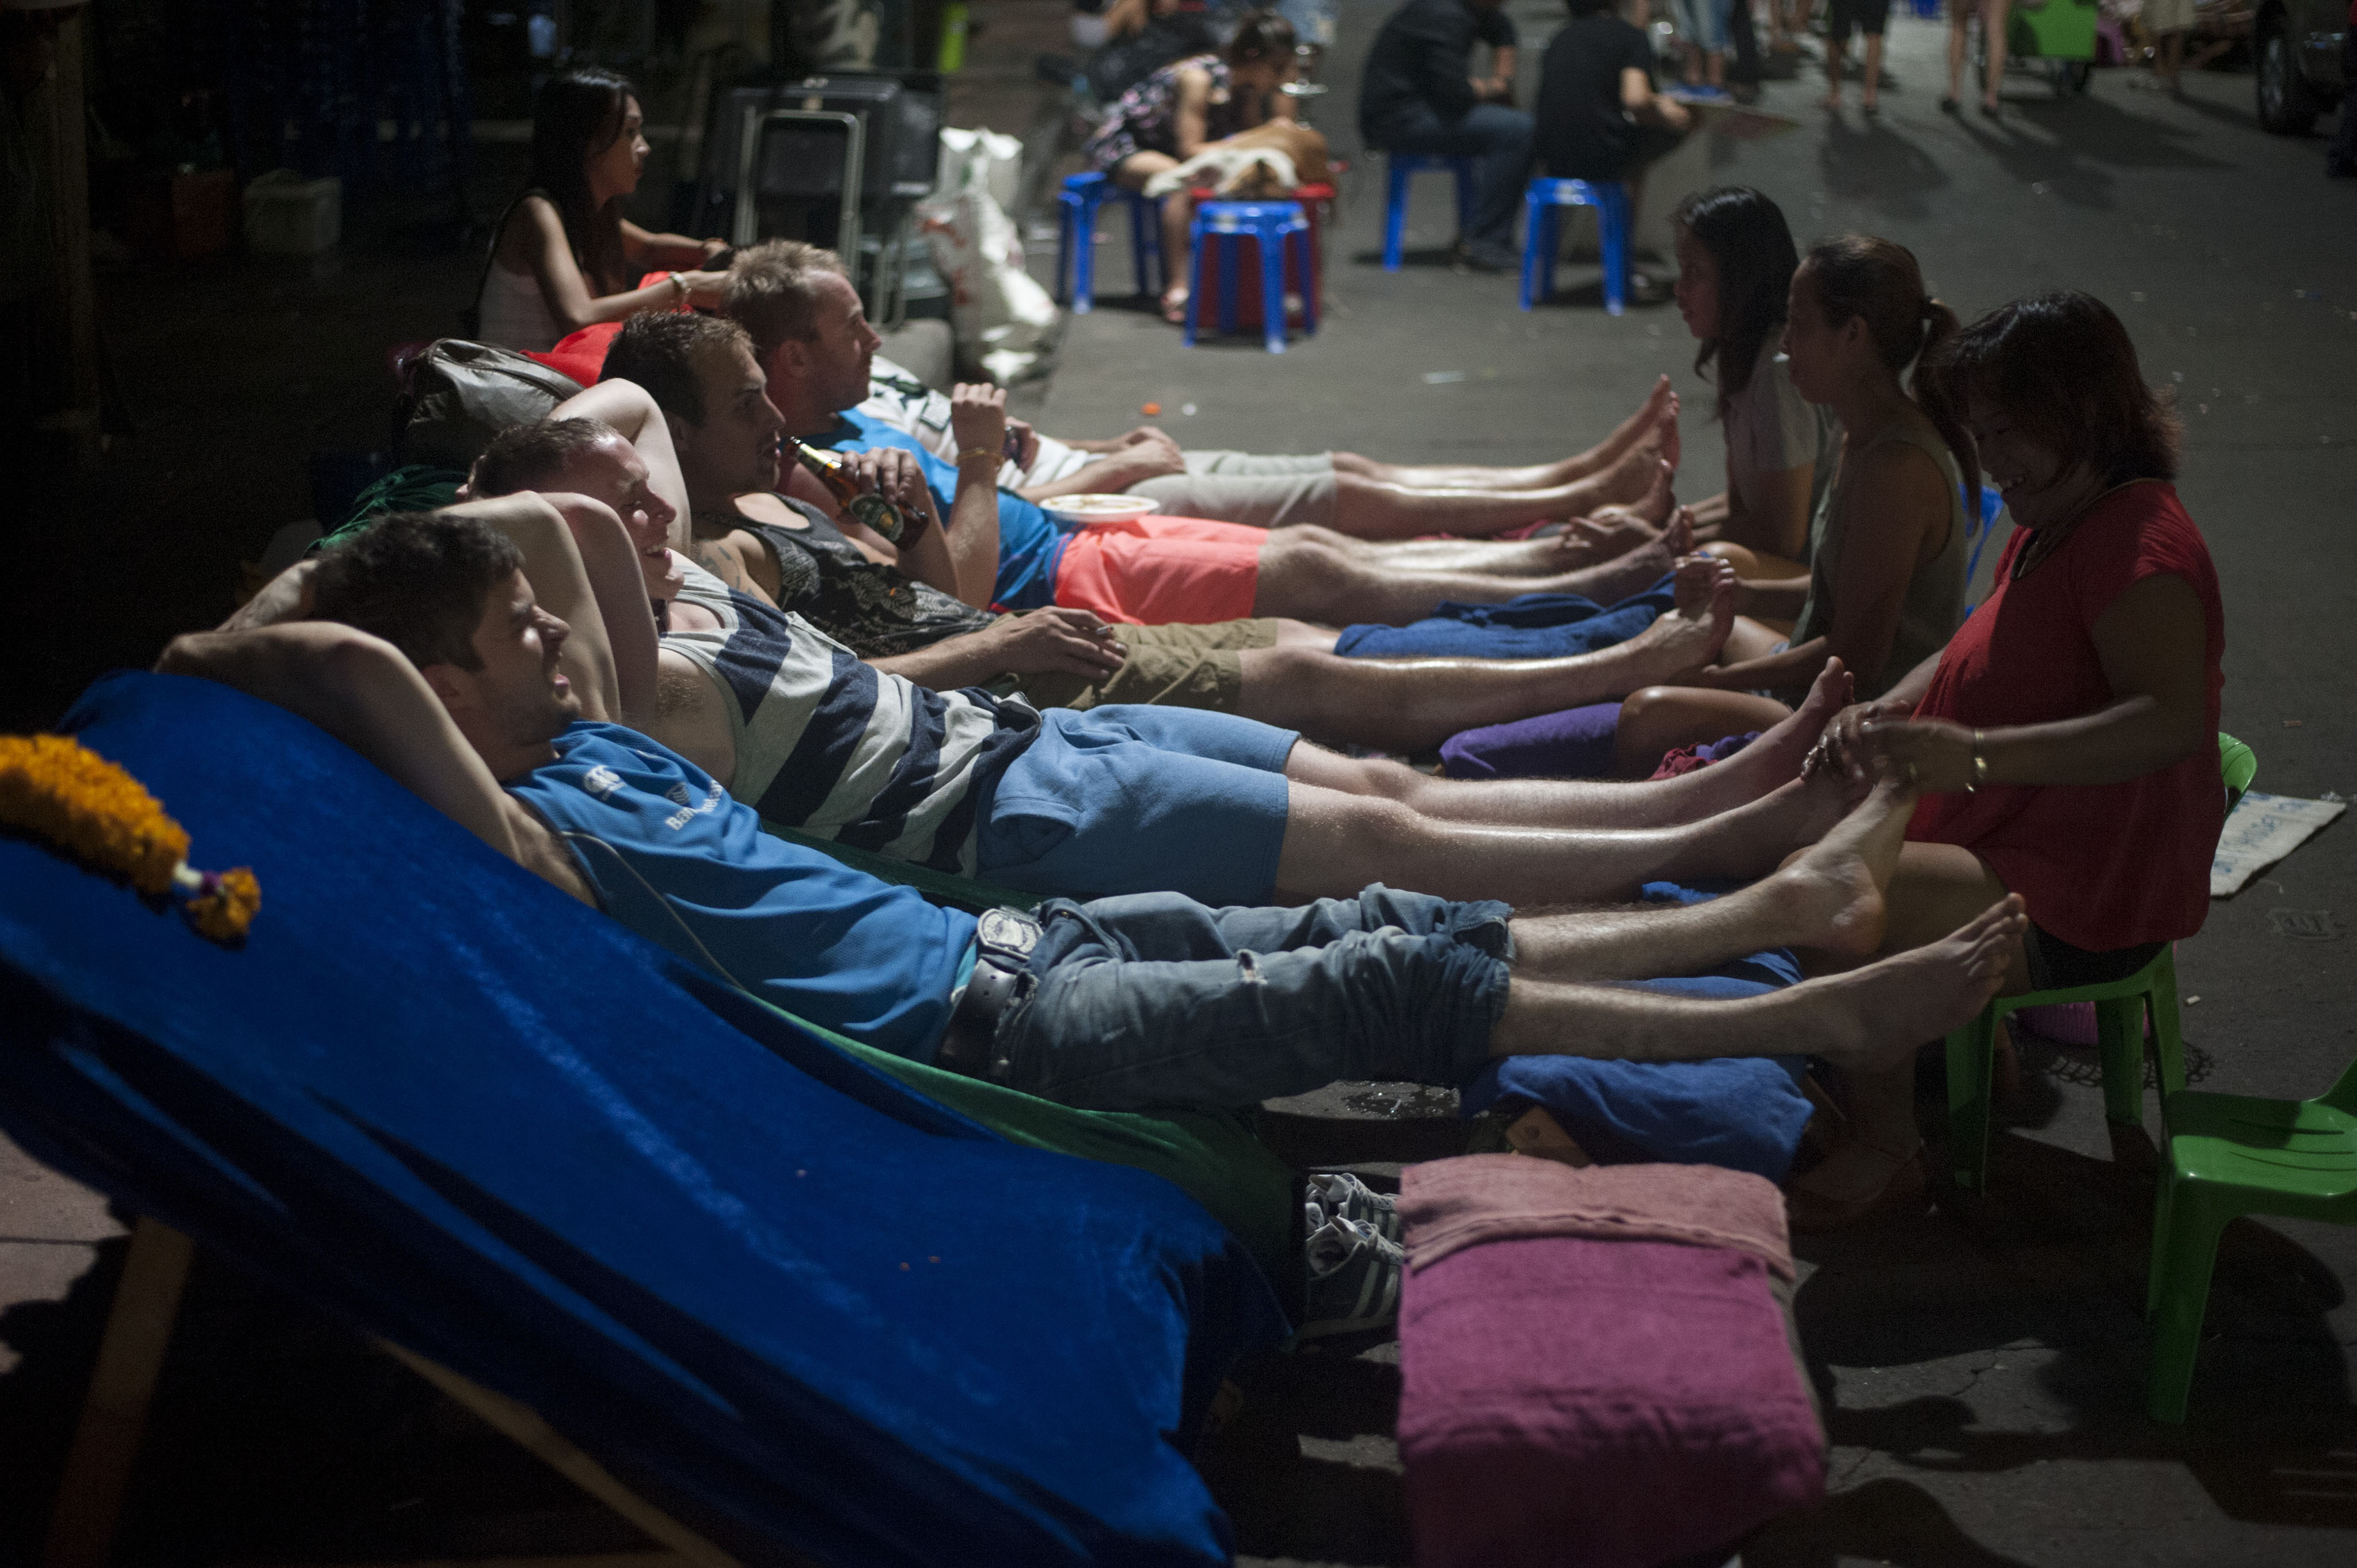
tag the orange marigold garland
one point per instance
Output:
(59, 788)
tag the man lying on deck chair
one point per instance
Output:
(611, 444)
(1139, 800)
(435, 659)
(1151, 571)
(784, 293)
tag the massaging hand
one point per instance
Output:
(893, 474)
(1925, 754)
(978, 419)
(1055, 642)
(1845, 746)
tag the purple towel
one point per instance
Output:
(1574, 744)
(1615, 1405)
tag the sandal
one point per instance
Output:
(1813, 1213)
(1174, 306)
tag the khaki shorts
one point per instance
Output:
(1176, 666)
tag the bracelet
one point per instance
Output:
(1980, 766)
(678, 283)
(982, 452)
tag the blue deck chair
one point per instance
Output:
(448, 1104)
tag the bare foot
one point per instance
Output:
(1832, 893)
(1631, 430)
(1610, 582)
(1874, 1016)
(1592, 540)
(1639, 480)
(1681, 642)
(1777, 755)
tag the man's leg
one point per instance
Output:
(1414, 704)
(1830, 898)
(1500, 138)
(1389, 985)
(1863, 1020)
(1374, 508)
(1334, 841)
(1659, 403)
(1766, 766)
(1307, 579)
(1155, 1000)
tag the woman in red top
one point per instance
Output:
(2065, 739)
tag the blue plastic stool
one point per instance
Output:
(1077, 206)
(1402, 165)
(1542, 202)
(1277, 225)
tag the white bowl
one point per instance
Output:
(1088, 509)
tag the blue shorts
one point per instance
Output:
(1141, 799)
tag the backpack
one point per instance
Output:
(457, 395)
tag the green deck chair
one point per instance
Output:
(2121, 1007)
(2230, 1154)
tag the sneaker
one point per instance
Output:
(1339, 1194)
(1487, 259)
(1354, 1280)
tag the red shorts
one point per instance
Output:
(1162, 571)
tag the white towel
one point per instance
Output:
(2263, 828)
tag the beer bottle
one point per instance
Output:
(866, 508)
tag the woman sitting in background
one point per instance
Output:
(563, 256)
(1736, 262)
(1188, 105)
(1886, 575)
(2066, 736)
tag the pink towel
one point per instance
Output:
(1450, 1205)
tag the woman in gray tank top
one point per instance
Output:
(1886, 582)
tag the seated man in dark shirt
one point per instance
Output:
(1598, 116)
(1419, 95)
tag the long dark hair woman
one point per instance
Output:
(1736, 262)
(564, 257)
(2064, 741)
(1885, 585)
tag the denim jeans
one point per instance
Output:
(1499, 136)
(1154, 999)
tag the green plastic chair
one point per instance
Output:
(2228, 1156)
(2121, 1009)
(940, 887)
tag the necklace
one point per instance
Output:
(2050, 539)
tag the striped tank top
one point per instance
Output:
(830, 746)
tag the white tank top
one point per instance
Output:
(515, 314)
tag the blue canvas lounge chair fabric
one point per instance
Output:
(446, 1102)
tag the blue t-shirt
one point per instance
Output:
(689, 869)
(1029, 546)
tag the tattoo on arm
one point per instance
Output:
(720, 563)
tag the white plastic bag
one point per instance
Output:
(995, 160)
(1002, 318)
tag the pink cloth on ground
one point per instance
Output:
(1613, 1405)
(1448, 1205)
